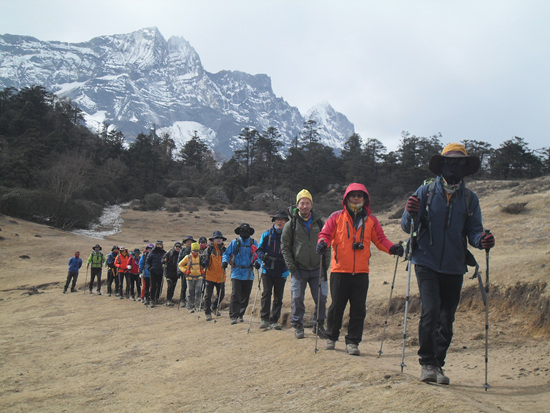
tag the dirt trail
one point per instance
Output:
(80, 352)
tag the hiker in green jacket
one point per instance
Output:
(95, 261)
(299, 241)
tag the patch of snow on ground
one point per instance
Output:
(109, 223)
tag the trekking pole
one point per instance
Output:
(485, 297)
(388, 310)
(219, 296)
(318, 303)
(86, 280)
(203, 289)
(409, 267)
(255, 298)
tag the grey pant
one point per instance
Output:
(299, 281)
(194, 290)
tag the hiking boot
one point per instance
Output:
(191, 310)
(241, 319)
(275, 326)
(319, 329)
(263, 325)
(208, 317)
(428, 374)
(299, 332)
(133, 298)
(217, 313)
(440, 376)
(234, 321)
(121, 297)
(330, 345)
(64, 291)
(108, 294)
(73, 290)
(98, 292)
(169, 304)
(91, 292)
(352, 349)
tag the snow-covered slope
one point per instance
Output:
(138, 81)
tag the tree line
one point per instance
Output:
(54, 170)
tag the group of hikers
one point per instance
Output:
(442, 217)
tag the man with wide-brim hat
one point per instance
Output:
(446, 216)
(95, 261)
(241, 254)
(274, 272)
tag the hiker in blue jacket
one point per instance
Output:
(145, 275)
(241, 254)
(446, 215)
(274, 272)
(74, 265)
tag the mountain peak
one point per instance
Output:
(136, 81)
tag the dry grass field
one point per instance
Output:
(79, 352)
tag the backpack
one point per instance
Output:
(293, 227)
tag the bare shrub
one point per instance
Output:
(515, 208)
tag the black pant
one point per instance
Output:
(439, 295)
(272, 286)
(72, 275)
(240, 294)
(156, 285)
(344, 288)
(171, 286)
(183, 293)
(93, 273)
(134, 283)
(209, 303)
(111, 274)
(122, 276)
(146, 287)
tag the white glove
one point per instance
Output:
(140, 275)
(129, 266)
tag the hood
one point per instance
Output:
(357, 187)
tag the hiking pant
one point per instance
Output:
(111, 273)
(171, 286)
(240, 294)
(300, 280)
(209, 303)
(439, 295)
(194, 291)
(183, 292)
(93, 273)
(272, 286)
(72, 275)
(121, 277)
(135, 283)
(146, 289)
(344, 288)
(156, 282)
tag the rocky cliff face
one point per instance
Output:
(138, 81)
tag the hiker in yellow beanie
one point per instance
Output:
(299, 240)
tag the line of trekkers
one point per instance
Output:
(442, 218)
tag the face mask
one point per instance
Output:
(453, 172)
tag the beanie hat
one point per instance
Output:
(304, 193)
(455, 150)
(195, 246)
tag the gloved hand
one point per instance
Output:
(413, 204)
(140, 275)
(321, 247)
(129, 266)
(397, 249)
(257, 264)
(224, 265)
(487, 241)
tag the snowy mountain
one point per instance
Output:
(138, 81)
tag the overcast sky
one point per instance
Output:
(474, 69)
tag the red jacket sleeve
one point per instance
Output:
(378, 236)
